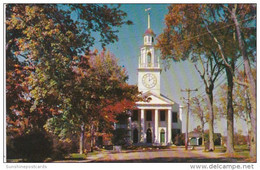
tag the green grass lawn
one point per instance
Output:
(77, 156)
(220, 149)
(240, 150)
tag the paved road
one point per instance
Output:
(165, 155)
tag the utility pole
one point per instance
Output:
(187, 116)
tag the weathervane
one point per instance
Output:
(147, 9)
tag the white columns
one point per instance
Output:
(180, 112)
(142, 139)
(156, 139)
(169, 126)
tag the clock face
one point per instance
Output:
(149, 80)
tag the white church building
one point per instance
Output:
(159, 119)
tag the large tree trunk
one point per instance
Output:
(249, 131)
(230, 113)
(252, 85)
(81, 143)
(248, 118)
(211, 119)
(252, 90)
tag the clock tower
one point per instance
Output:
(152, 120)
(149, 67)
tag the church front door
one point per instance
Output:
(149, 136)
(162, 136)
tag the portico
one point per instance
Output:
(160, 129)
(152, 120)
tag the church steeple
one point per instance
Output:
(148, 58)
(149, 68)
(149, 34)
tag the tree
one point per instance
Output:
(211, 71)
(242, 105)
(115, 95)
(249, 35)
(43, 43)
(98, 94)
(241, 102)
(180, 41)
(197, 110)
(247, 47)
(209, 26)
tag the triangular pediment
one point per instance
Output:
(153, 98)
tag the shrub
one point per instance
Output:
(34, 146)
(62, 148)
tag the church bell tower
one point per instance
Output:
(149, 67)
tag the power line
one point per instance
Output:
(188, 39)
(221, 82)
(225, 79)
(196, 36)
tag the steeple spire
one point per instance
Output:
(149, 25)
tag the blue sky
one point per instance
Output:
(179, 76)
(127, 49)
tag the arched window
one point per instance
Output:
(162, 136)
(149, 59)
(152, 40)
(148, 136)
(145, 39)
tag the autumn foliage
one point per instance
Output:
(54, 82)
(218, 36)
